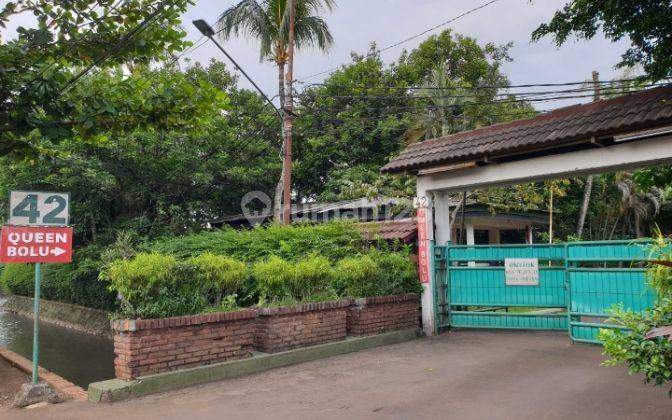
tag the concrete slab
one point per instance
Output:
(458, 375)
(118, 390)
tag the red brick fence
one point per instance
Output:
(150, 346)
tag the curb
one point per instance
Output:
(61, 385)
(118, 390)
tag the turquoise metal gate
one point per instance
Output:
(578, 283)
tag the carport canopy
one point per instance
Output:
(627, 132)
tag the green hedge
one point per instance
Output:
(331, 240)
(156, 285)
(222, 270)
(75, 283)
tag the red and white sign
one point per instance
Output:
(33, 244)
(423, 247)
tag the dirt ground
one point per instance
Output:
(11, 380)
(459, 375)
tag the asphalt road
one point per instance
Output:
(459, 375)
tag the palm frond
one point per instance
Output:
(250, 19)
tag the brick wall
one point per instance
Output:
(383, 313)
(289, 327)
(149, 346)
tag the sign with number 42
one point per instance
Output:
(33, 208)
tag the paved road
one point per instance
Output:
(459, 375)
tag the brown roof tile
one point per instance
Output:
(578, 123)
(404, 230)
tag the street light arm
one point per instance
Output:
(207, 31)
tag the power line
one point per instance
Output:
(520, 95)
(480, 87)
(468, 12)
(464, 105)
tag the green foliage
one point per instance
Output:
(397, 275)
(268, 23)
(221, 275)
(274, 278)
(18, 279)
(331, 240)
(312, 277)
(376, 274)
(643, 22)
(356, 276)
(154, 286)
(39, 66)
(75, 283)
(651, 357)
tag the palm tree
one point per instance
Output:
(447, 99)
(268, 22)
(636, 206)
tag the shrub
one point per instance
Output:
(155, 286)
(397, 274)
(651, 357)
(280, 281)
(312, 279)
(355, 276)
(18, 279)
(376, 274)
(334, 241)
(273, 278)
(219, 274)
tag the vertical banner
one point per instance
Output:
(423, 246)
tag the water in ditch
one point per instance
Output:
(78, 357)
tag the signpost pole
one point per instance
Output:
(36, 321)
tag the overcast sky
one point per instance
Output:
(356, 23)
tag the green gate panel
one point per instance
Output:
(609, 251)
(508, 321)
(586, 285)
(586, 332)
(501, 252)
(485, 286)
(595, 291)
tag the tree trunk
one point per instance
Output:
(589, 179)
(587, 191)
(277, 198)
(550, 217)
(289, 118)
(638, 226)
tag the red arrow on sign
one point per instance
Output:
(28, 244)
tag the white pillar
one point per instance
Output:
(528, 234)
(471, 240)
(442, 228)
(469, 227)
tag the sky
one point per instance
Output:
(356, 23)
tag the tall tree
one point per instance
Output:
(41, 62)
(647, 23)
(588, 188)
(269, 23)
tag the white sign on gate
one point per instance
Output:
(521, 271)
(36, 208)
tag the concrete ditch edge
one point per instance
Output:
(118, 390)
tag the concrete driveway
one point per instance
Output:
(458, 375)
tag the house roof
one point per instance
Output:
(578, 124)
(404, 230)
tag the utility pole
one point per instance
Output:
(588, 190)
(288, 119)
